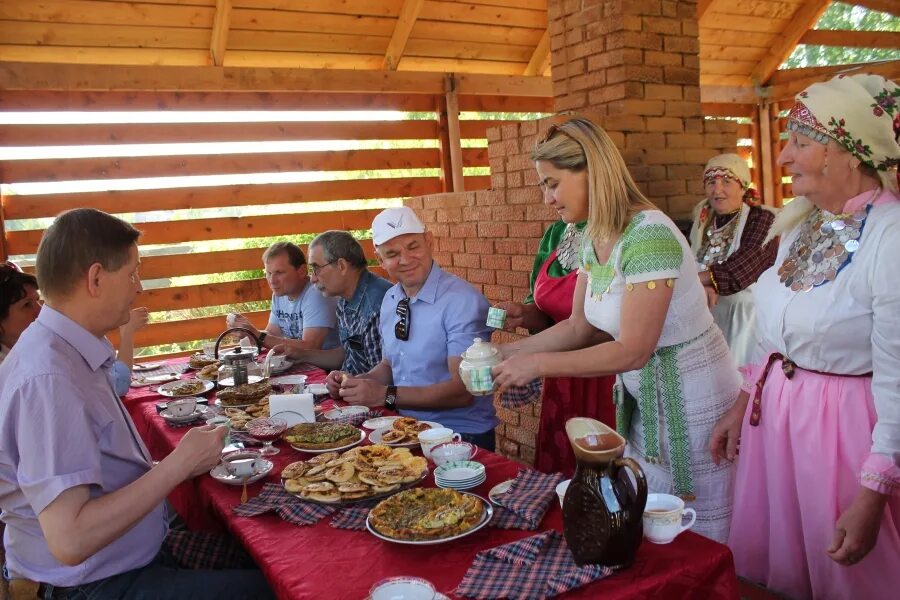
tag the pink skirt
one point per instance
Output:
(797, 471)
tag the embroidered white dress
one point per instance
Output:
(672, 403)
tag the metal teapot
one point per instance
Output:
(238, 364)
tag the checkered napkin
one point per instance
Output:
(354, 517)
(517, 396)
(539, 566)
(356, 420)
(273, 497)
(527, 501)
(200, 550)
(201, 420)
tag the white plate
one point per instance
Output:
(379, 422)
(375, 436)
(461, 470)
(488, 512)
(317, 389)
(345, 411)
(141, 381)
(499, 490)
(362, 436)
(220, 473)
(166, 389)
(460, 486)
(281, 369)
(140, 367)
(201, 411)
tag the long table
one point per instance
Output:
(319, 561)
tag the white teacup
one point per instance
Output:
(402, 588)
(430, 438)
(561, 490)
(182, 407)
(663, 518)
(243, 464)
(277, 361)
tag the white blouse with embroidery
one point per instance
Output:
(849, 326)
(651, 248)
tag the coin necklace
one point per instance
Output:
(824, 247)
(718, 241)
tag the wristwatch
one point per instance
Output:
(262, 337)
(390, 397)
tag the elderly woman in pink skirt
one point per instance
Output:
(817, 497)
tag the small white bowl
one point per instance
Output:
(461, 470)
(403, 588)
(453, 452)
(182, 408)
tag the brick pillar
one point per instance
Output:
(636, 63)
(631, 66)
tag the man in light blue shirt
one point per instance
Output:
(79, 494)
(428, 319)
(301, 317)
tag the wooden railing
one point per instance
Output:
(174, 255)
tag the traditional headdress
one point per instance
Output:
(859, 112)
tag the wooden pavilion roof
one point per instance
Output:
(497, 46)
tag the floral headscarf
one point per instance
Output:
(860, 112)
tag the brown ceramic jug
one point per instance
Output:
(602, 512)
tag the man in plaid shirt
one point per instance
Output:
(338, 267)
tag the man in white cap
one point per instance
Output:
(428, 319)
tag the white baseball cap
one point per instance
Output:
(392, 222)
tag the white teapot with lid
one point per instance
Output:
(475, 368)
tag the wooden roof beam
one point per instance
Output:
(787, 89)
(852, 38)
(702, 7)
(409, 12)
(540, 57)
(800, 23)
(221, 25)
(124, 78)
(886, 6)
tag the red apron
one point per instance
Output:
(565, 397)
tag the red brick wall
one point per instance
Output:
(630, 65)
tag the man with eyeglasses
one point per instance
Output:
(428, 319)
(338, 268)
(301, 318)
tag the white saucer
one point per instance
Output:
(499, 490)
(460, 485)
(379, 422)
(345, 411)
(201, 411)
(220, 473)
(281, 369)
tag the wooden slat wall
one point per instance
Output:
(175, 232)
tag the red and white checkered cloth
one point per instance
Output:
(527, 501)
(198, 550)
(540, 566)
(517, 396)
(274, 498)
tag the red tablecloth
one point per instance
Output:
(320, 561)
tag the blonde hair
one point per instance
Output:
(613, 196)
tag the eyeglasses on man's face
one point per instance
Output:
(315, 269)
(401, 329)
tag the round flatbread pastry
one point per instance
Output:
(294, 486)
(323, 458)
(295, 470)
(393, 436)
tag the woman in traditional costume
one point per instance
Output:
(727, 239)
(553, 279)
(817, 505)
(637, 283)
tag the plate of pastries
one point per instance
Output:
(322, 437)
(240, 396)
(402, 432)
(239, 417)
(355, 475)
(428, 516)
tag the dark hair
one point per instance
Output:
(12, 287)
(76, 240)
(293, 251)
(338, 244)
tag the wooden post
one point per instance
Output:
(766, 164)
(3, 254)
(456, 160)
(444, 144)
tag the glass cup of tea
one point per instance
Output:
(266, 430)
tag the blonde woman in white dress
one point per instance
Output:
(638, 283)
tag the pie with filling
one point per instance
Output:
(426, 514)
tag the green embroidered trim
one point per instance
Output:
(601, 279)
(625, 405)
(649, 409)
(651, 249)
(676, 422)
